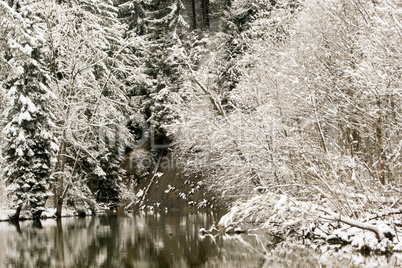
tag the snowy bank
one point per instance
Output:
(285, 216)
(5, 214)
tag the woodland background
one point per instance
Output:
(294, 97)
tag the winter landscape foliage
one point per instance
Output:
(289, 109)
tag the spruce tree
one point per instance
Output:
(106, 177)
(28, 149)
(235, 21)
(113, 75)
(163, 63)
(132, 13)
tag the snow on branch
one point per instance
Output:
(382, 231)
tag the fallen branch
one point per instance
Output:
(216, 103)
(151, 182)
(383, 232)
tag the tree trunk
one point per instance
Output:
(361, 225)
(194, 14)
(59, 207)
(36, 215)
(205, 13)
(16, 216)
(380, 150)
(60, 186)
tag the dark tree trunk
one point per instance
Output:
(194, 14)
(59, 207)
(36, 215)
(16, 216)
(380, 150)
(205, 13)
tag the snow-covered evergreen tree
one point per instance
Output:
(29, 146)
(106, 176)
(235, 21)
(163, 63)
(132, 13)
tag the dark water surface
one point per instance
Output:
(163, 239)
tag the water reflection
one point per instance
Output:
(156, 240)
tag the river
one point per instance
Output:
(160, 239)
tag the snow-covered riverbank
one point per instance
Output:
(47, 214)
(284, 216)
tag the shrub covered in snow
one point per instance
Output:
(274, 212)
(283, 215)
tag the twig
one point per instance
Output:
(386, 214)
(319, 126)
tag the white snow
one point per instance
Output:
(140, 193)
(5, 213)
(20, 152)
(19, 70)
(398, 247)
(282, 213)
(27, 101)
(12, 187)
(27, 49)
(99, 171)
(13, 89)
(169, 189)
(384, 229)
(10, 129)
(25, 116)
(54, 147)
(49, 213)
(228, 218)
(21, 136)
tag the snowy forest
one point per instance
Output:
(289, 110)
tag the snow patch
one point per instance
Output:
(398, 247)
(21, 136)
(25, 116)
(140, 193)
(49, 213)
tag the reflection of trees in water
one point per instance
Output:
(102, 248)
(26, 250)
(144, 240)
(150, 240)
(56, 244)
(170, 241)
